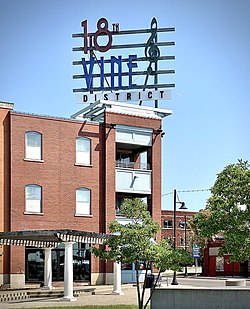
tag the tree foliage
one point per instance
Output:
(134, 242)
(194, 235)
(228, 211)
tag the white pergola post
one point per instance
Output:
(117, 279)
(68, 272)
(48, 269)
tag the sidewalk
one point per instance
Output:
(102, 296)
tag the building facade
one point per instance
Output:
(73, 174)
(213, 265)
(182, 227)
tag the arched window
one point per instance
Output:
(83, 147)
(33, 198)
(83, 198)
(33, 145)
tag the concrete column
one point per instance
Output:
(68, 272)
(117, 279)
(48, 269)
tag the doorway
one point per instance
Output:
(34, 261)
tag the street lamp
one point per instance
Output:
(174, 281)
(185, 239)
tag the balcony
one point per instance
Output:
(132, 180)
(132, 165)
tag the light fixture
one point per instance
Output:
(183, 206)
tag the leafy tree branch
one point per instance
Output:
(135, 243)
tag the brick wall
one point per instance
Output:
(57, 174)
(154, 124)
(4, 183)
(60, 177)
(180, 232)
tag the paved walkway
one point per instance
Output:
(103, 296)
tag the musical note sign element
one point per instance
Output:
(152, 51)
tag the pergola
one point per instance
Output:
(48, 239)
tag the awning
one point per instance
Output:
(50, 238)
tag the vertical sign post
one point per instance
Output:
(196, 256)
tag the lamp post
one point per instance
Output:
(185, 239)
(174, 281)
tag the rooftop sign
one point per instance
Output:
(116, 77)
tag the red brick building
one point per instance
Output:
(74, 173)
(213, 265)
(167, 226)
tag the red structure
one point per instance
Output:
(214, 265)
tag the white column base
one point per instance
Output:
(47, 287)
(117, 293)
(65, 298)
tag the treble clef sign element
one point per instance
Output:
(152, 51)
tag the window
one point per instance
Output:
(83, 201)
(81, 262)
(167, 224)
(144, 160)
(83, 150)
(34, 264)
(219, 263)
(33, 198)
(119, 202)
(182, 224)
(33, 145)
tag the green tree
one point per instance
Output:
(194, 236)
(134, 243)
(228, 211)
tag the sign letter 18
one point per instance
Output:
(102, 29)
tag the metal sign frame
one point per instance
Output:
(151, 57)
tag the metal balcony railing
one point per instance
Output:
(133, 165)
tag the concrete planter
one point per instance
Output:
(201, 298)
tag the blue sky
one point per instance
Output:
(209, 128)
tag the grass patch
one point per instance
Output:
(92, 307)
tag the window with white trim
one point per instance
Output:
(33, 145)
(83, 206)
(33, 198)
(167, 223)
(83, 146)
